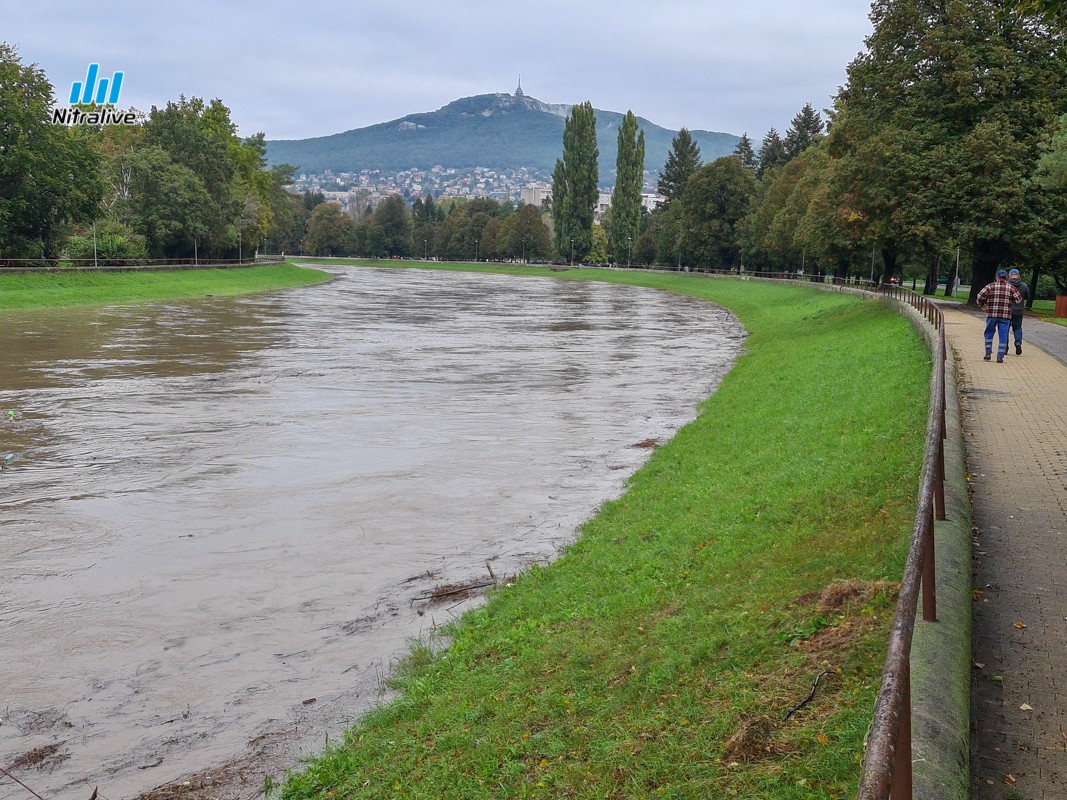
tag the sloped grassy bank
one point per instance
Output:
(661, 653)
(38, 290)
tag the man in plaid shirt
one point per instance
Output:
(997, 299)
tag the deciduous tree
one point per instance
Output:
(50, 175)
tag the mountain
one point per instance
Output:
(497, 131)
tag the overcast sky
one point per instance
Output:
(300, 69)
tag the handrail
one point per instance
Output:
(887, 766)
(8, 265)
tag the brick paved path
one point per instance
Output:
(1015, 422)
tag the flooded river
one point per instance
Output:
(220, 520)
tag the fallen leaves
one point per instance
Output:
(1026, 707)
(1020, 625)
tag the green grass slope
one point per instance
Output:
(661, 653)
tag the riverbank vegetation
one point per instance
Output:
(670, 650)
(78, 288)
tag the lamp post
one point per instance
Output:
(476, 243)
(196, 257)
(240, 254)
(95, 263)
(523, 249)
(425, 250)
(629, 250)
(572, 251)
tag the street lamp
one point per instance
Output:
(523, 249)
(476, 242)
(425, 251)
(629, 250)
(240, 255)
(572, 251)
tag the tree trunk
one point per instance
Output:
(989, 254)
(889, 260)
(930, 287)
(1034, 277)
(953, 275)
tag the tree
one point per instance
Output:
(626, 196)
(772, 153)
(960, 93)
(804, 131)
(168, 205)
(395, 221)
(1055, 11)
(745, 153)
(50, 175)
(330, 232)
(575, 184)
(528, 236)
(682, 161)
(1052, 165)
(716, 198)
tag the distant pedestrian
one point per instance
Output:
(1018, 309)
(997, 299)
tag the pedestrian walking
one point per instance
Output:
(1018, 309)
(997, 299)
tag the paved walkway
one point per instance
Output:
(1015, 423)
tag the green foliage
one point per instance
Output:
(112, 244)
(1052, 166)
(574, 185)
(682, 162)
(330, 232)
(50, 175)
(396, 224)
(716, 199)
(772, 152)
(626, 196)
(528, 236)
(745, 152)
(946, 108)
(806, 129)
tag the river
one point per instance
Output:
(221, 521)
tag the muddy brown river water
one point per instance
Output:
(220, 520)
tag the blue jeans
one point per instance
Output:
(1017, 328)
(1000, 326)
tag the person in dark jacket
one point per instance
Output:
(1018, 309)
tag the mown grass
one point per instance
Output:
(37, 290)
(658, 656)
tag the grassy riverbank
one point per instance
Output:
(660, 654)
(37, 290)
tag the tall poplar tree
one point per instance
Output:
(626, 196)
(682, 162)
(575, 185)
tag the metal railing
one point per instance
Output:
(887, 767)
(129, 265)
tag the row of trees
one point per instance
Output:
(181, 183)
(948, 144)
(454, 229)
(948, 141)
